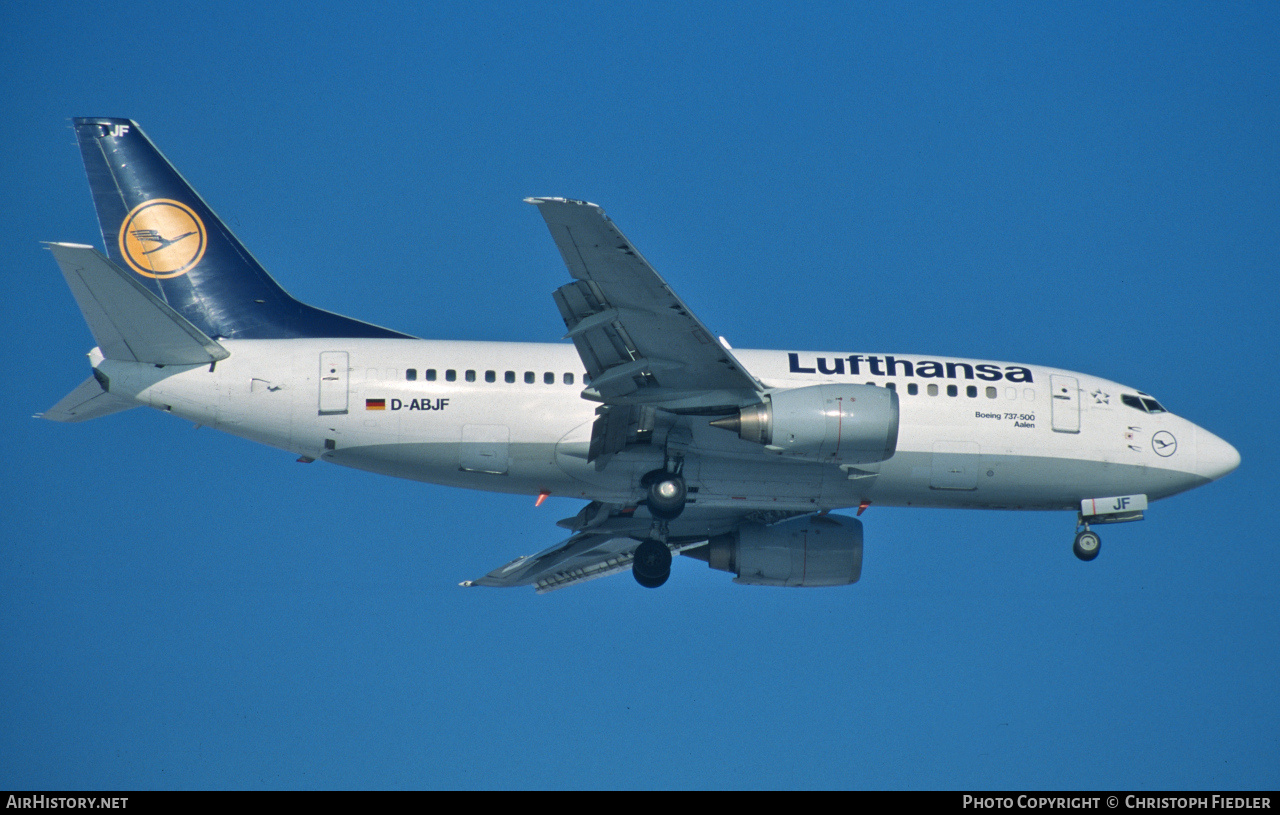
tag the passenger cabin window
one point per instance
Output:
(471, 376)
(548, 378)
(568, 379)
(431, 374)
(509, 377)
(528, 377)
(490, 376)
(411, 374)
(913, 388)
(451, 375)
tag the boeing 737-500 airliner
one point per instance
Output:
(677, 442)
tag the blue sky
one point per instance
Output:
(1083, 187)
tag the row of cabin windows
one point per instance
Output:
(971, 391)
(549, 378)
(451, 375)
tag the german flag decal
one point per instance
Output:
(375, 404)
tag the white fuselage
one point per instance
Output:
(972, 433)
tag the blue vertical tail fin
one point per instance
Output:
(154, 225)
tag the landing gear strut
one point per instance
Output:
(666, 493)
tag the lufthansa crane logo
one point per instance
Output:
(162, 238)
(1164, 443)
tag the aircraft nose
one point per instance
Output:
(1214, 457)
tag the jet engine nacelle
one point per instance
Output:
(843, 424)
(817, 550)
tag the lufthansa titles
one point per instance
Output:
(862, 365)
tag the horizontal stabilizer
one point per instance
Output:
(128, 322)
(88, 401)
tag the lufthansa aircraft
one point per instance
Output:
(678, 443)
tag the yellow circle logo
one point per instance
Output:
(162, 238)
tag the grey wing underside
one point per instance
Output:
(584, 556)
(604, 542)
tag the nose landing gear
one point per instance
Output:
(1115, 510)
(1087, 544)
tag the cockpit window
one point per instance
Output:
(1142, 402)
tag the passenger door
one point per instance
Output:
(1065, 391)
(333, 382)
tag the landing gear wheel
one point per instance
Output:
(651, 564)
(667, 493)
(1087, 545)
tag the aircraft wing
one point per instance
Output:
(604, 543)
(643, 350)
(640, 343)
(584, 556)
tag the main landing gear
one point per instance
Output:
(1087, 544)
(651, 565)
(666, 493)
